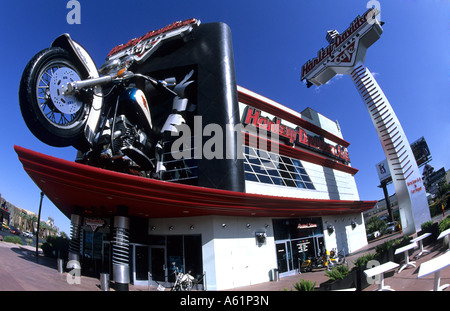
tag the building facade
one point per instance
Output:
(258, 188)
(300, 199)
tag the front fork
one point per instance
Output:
(87, 65)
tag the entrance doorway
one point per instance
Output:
(296, 239)
(158, 264)
(149, 263)
(158, 260)
(291, 253)
(171, 253)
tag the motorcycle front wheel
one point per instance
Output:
(53, 118)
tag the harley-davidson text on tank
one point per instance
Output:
(141, 48)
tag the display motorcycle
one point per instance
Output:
(105, 113)
(336, 258)
(183, 281)
(317, 262)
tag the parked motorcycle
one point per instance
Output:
(336, 258)
(317, 262)
(105, 113)
(183, 281)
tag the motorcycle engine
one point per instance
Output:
(127, 141)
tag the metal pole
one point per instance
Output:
(38, 227)
(387, 200)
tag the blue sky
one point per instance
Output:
(271, 40)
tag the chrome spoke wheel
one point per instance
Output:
(62, 118)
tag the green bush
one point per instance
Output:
(375, 224)
(386, 246)
(13, 239)
(430, 227)
(305, 286)
(444, 224)
(338, 272)
(361, 262)
(436, 207)
(405, 240)
(426, 226)
(56, 247)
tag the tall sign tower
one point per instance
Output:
(346, 54)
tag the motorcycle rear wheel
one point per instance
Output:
(42, 117)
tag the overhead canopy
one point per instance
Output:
(99, 192)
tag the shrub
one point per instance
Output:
(361, 262)
(56, 247)
(426, 226)
(436, 207)
(305, 286)
(405, 240)
(386, 246)
(338, 272)
(13, 239)
(444, 224)
(375, 224)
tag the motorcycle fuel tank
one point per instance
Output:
(135, 105)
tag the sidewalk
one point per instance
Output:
(405, 281)
(20, 272)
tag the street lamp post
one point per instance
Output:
(38, 227)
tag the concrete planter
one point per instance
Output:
(349, 281)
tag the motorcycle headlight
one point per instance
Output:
(115, 65)
(110, 67)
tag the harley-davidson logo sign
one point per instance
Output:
(94, 223)
(341, 44)
(142, 45)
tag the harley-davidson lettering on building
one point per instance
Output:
(297, 136)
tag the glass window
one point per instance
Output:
(275, 169)
(310, 186)
(301, 184)
(253, 160)
(285, 174)
(259, 169)
(193, 256)
(306, 178)
(290, 182)
(278, 181)
(247, 168)
(281, 166)
(264, 178)
(251, 177)
(174, 255)
(273, 173)
(301, 170)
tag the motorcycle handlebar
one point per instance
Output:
(72, 87)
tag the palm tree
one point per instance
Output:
(23, 223)
(33, 220)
